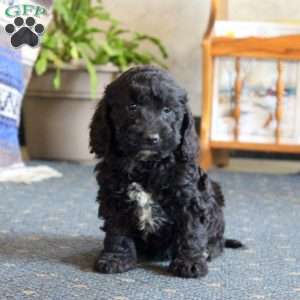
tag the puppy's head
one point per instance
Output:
(144, 115)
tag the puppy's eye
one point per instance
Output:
(166, 110)
(132, 108)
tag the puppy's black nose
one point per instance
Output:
(153, 139)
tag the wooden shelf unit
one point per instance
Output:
(280, 48)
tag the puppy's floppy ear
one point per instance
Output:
(188, 150)
(100, 130)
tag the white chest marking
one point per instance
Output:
(144, 204)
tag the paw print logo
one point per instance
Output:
(27, 32)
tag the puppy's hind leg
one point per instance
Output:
(215, 248)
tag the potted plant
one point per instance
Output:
(82, 51)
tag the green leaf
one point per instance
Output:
(100, 15)
(62, 11)
(74, 51)
(54, 58)
(153, 40)
(57, 79)
(91, 70)
(85, 50)
(108, 49)
(41, 65)
(93, 77)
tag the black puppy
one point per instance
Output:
(153, 197)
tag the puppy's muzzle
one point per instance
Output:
(152, 139)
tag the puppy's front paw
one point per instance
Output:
(114, 263)
(188, 268)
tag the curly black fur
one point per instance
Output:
(153, 197)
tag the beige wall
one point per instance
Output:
(268, 10)
(180, 25)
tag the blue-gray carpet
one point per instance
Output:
(49, 238)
